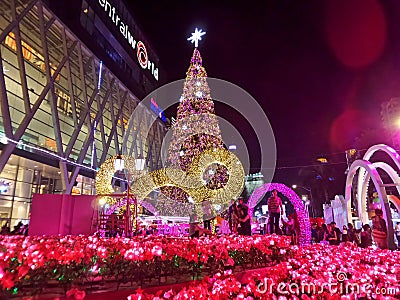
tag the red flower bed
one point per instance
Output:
(315, 272)
(30, 264)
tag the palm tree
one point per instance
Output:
(319, 178)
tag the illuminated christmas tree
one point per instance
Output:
(196, 129)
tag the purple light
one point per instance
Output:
(302, 214)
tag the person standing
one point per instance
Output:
(379, 229)
(323, 234)
(5, 229)
(366, 239)
(230, 215)
(332, 236)
(397, 233)
(233, 217)
(207, 215)
(314, 233)
(274, 211)
(345, 237)
(244, 218)
(292, 227)
(338, 233)
(352, 234)
(193, 226)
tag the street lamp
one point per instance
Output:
(294, 186)
(119, 165)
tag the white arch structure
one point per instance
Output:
(367, 171)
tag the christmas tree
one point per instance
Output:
(196, 129)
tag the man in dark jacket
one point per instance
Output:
(338, 233)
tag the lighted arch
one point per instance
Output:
(378, 183)
(363, 177)
(191, 181)
(396, 201)
(395, 179)
(363, 196)
(105, 174)
(302, 214)
(387, 149)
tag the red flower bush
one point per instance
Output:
(30, 261)
(315, 272)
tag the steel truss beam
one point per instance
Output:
(77, 67)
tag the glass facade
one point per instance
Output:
(58, 102)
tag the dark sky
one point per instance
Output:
(319, 69)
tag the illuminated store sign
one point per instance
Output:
(139, 46)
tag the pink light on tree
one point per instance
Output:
(195, 130)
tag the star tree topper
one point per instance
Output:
(196, 36)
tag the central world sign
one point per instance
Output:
(139, 46)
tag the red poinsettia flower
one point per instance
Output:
(75, 294)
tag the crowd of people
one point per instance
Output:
(237, 215)
(239, 218)
(240, 223)
(363, 237)
(326, 233)
(19, 229)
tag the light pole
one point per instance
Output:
(119, 165)
(294, 186)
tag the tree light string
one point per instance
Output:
(196, 129)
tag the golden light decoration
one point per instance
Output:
(105, 174)
(190, 181)
(169, 207)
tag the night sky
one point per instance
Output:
(319, 69)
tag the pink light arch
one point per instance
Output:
(302, 214)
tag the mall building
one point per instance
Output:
(71, 74)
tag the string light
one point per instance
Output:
(105, 175)
(199, 168)
(52, 154)
(168, 207)
(191, 182)
(195, 130)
